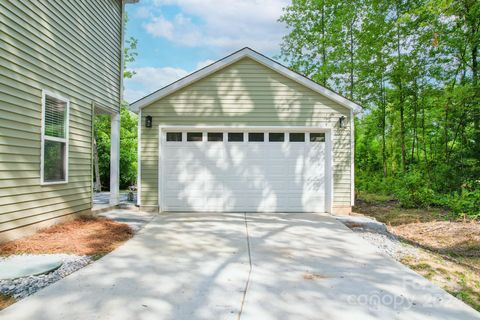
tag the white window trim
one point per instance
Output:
(46, 93)
(327, 129)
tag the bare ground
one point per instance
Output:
(448, 249)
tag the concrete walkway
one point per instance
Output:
(236, 266)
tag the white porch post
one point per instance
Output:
(115, 159)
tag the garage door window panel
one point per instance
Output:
(174, 136)
(215, 136)
(194, 136)
(235, 137)
(317, 137)
(297, 137)
(256, 137)
(276, 137)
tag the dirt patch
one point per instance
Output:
(460, 281)
(6, 301)
(83, 236)
(461, 240)
(447, 250)
(313, 276)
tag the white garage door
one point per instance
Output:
(242, 171)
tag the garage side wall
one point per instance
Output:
(250, 94)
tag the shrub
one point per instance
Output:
(412, 190)
(466, 203)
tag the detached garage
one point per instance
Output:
(245, 134)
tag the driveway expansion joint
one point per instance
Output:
(249, 269)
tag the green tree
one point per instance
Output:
(128, 132)
(413, 65)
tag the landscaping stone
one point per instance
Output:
(21, 287)
(25, 265)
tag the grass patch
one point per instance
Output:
(460, 281)
(374, 197)
(387, 210)
(84, 236)
(6, 300)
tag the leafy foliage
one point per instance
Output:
(128, 133)
(413, 65)
(128, 147)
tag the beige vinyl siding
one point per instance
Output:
(71, 48)
(245, 93)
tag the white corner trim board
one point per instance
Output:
(139, 161)
(290, 175)
(232, 58)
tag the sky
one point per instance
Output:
(177, 37)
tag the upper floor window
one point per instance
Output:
(54, 144)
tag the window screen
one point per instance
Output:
(174, 136)
(194, 136)
(255, 136)
(54, 161)
(317, 137)
(215, 136)
(276, 136)
(55, 139)
(297, 137)
(235, 136)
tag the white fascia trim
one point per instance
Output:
(46, 93)
(245, 52)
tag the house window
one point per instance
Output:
(317, 137)
(174, 136)
(194, 136)
(235, 136)
(255, 136)
(276, 137)
(215, 136)
(297, 137)
(54, 153)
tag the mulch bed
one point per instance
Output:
(83, 236)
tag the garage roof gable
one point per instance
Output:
(232, 58)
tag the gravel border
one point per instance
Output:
(377, 234)
(23, 287)
(387, 244)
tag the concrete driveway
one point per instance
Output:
(237, 266)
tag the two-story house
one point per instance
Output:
(60, 64)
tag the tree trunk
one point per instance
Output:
(351, 56)
(324, 49)
(384, 127)
(476, 100)
(415, 108)
(98, 183)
